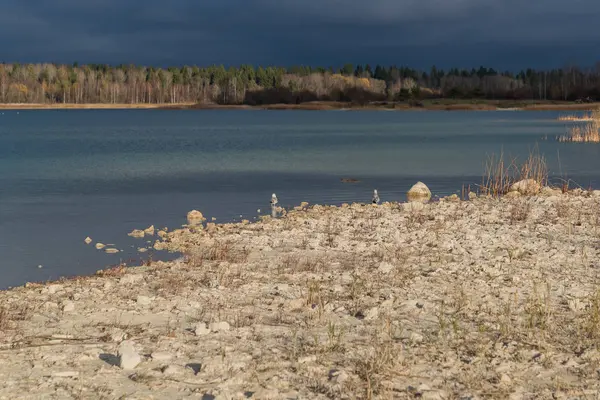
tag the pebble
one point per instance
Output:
(144, 300)
(200, 329)
(161, 356)
(65, 374)
(111, 251)
(219, 326)
(100, 246)
(172, 370)
(88, 240)
(128, 356)
(68, 306)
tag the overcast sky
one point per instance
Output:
(505, 34)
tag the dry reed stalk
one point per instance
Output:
(499, 175)
(576, 117)
(588, 133)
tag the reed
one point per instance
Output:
(587, 133)
(499, 175)
(576, 117)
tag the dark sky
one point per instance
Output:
(505, 34)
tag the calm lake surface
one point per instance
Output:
(70, 174)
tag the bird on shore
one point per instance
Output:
(375, 197)
(274, 200)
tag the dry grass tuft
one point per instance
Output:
(500, 175)
(576, 117)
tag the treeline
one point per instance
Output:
(50, 83)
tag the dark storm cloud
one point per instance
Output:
(502, 33)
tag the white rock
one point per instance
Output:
(128, 356)
(416, 337)
(88, 240)
(161, 356)
(219, 326)
(111, 251)
(142, 249)
(526, 187)
(472, 196)
(144, 300)
(419, 192)
(100, 246)
(68, 306)
(200, 329)
(149, 231)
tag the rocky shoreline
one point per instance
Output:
(486, 298)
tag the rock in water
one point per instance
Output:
(111, 251)
(526, 187)
(419, 192)
(100, 246)
(195, 217)
(149, 231)
(136, 233)
(128, 356)
(88, 240)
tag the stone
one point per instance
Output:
(52, 289)
(131, 279)
(472, 196)
(161, 356)
(149, 231)
(143, 300)
(512, 195)
(549, 192)
(88, 240)
(419, 192)
(413, 206)
(416, 337)
(68, 306)
(526, 187)
(65, 374)
(100, 246)
(162, 234)
(111, 251)
(453, 197)
(173, 370)
(372, 313)
(219, 326)
(142, 249)
(385, 268)
(128, 356)
(200, 329)
(307, 359)
(136, 233)
(195, 218)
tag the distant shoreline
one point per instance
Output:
(432, 105)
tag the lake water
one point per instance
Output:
(70, 174)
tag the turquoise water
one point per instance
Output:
(70, 174)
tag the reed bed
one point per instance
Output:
(576, 117)
(586, 133)
(500, 175)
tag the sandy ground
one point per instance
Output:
(453, 299)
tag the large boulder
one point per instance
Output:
(526, 187)
(419, 192)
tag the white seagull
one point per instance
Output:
(274, 200)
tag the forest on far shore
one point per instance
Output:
(246, 84)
